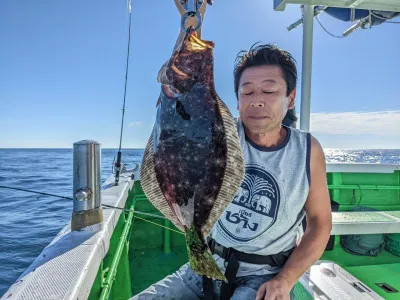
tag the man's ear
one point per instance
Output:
(292, 97)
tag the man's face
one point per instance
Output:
(262, 96)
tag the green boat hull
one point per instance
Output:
(143, 252)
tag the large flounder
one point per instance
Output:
(193, 163)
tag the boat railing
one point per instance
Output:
(68, 266)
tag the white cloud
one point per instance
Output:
(136, 124)
(381, 123)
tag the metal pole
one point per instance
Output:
(167, 237)
(308, 18)
(86, 185)
(108, 281)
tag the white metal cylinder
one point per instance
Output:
(87, 176)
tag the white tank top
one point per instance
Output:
(265, 215)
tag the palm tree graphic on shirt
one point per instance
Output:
(255, 193)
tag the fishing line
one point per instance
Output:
(159, 225)
(104, 205)
(35, 192)
(134, 211)
(145, 214)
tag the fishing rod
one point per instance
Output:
(118, 163)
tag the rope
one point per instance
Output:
(326, 30)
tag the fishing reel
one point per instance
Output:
(123, 168)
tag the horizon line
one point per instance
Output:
(106, 148)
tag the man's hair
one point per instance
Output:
(290, 118)
(266, 55)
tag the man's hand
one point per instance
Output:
(277, 288)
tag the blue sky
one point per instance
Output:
(62, 68)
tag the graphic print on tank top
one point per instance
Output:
(254, 209)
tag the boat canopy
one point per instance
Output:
(375, 17)
(386, 5)
(370, 12)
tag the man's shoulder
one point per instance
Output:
(297, 130)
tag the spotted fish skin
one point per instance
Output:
(193, 160)
(190, 152)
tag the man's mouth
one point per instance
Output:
(258, 117)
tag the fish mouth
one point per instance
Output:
(196, 44)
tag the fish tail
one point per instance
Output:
(200, 258)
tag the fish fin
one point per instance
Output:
(234, 170)
(151, 186)
(200, 258)
(169, 91)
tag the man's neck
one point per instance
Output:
(273, 138)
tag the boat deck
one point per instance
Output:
(372, 275)
(346, 259)
(156, 252)
(151, 265)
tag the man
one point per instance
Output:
(254, 240)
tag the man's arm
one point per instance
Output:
(316, 236)
(319, 220)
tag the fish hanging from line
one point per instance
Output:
(193, 163)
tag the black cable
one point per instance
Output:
(35, 192)
(326, 30)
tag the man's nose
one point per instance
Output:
(257, 104)
(257, 101)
